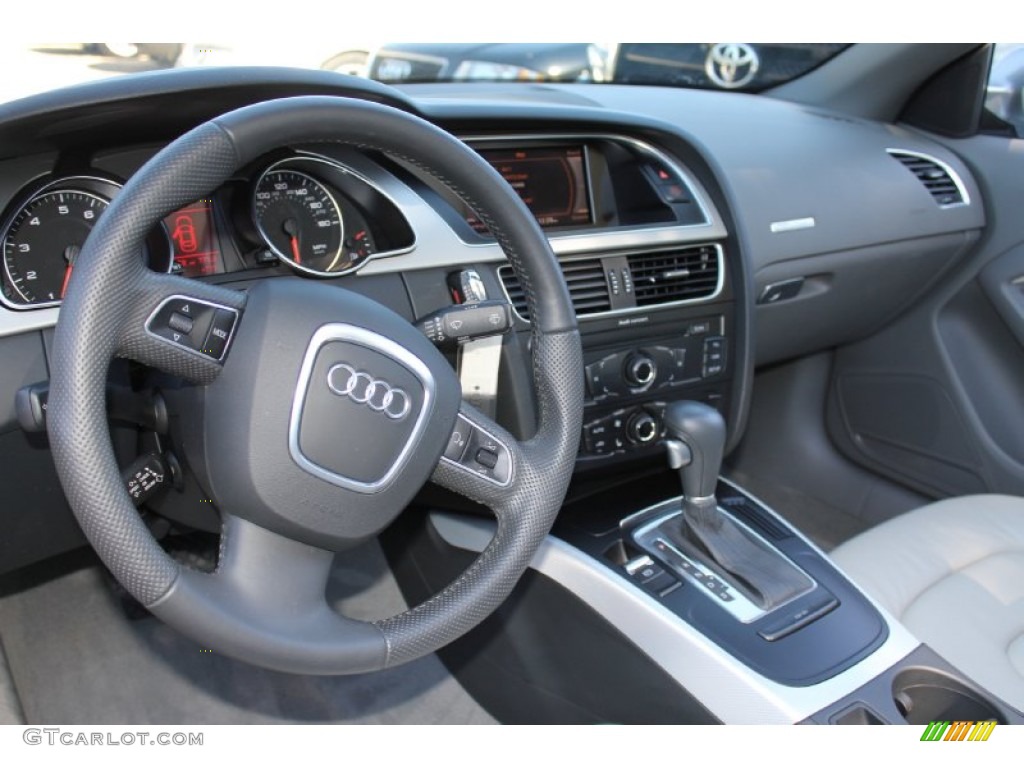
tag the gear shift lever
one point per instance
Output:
(696, 442)
(699, 431)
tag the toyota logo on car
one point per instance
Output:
(364, 389)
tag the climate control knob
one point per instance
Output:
(640, 370)
(642, 428)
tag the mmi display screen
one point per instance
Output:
(552, 181)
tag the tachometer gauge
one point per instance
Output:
(42, 238)
(301, 222)
(42, 242)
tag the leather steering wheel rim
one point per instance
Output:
(265, 603)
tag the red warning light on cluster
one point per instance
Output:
(184, 234)
(193, 240)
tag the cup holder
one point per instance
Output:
(923, 695)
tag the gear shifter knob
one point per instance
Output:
(701, 429)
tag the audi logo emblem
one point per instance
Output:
(362, 388)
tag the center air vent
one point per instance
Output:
(687, 274)
(632, 281)
(585, 279)
(938, 178)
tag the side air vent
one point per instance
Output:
(938, 178)
(585, 279)
(687, 274)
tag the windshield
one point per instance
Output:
(724, 66)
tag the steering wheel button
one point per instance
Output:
(220, 332)
(481, 454)
(183, 321)
(173, 336)
(487, 458)
(460, 438)
(180, 323)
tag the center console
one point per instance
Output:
(607, 628)
(647, 606)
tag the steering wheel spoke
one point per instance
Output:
(181, 326)
(269, 592)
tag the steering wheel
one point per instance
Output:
(316, 414)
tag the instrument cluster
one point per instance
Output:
(309, 213)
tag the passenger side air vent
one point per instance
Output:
(585, 279)
(938, 178)
(687, 274)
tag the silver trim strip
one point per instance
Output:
(701, 499)
(13, 322)
(957, 181)
(182, 347)
(479, 365)
(792, 225)
(378, 343)
(730, 690)
(633, 239)
(719, 286)
(636, 564)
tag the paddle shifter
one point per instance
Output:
(696, 441)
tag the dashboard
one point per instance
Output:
(694, 245)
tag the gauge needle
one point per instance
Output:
(291, 229)
(70, 255)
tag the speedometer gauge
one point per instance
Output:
(301, 222)
(43, 241)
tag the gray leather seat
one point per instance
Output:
(953, 573)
